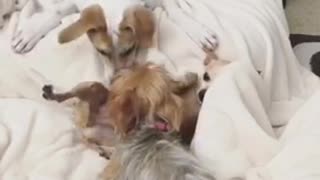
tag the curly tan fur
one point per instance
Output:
(147, 91)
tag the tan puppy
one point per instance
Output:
(144, 91)
(148, 91)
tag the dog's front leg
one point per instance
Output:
(33, 26)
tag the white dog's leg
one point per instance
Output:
(198, 32)
(31, 29)
(27, 11)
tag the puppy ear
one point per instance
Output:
(123, 110)
(91, 18)
(172, 111)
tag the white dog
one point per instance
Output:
(9, 6)
(37, 18)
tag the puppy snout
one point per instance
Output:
(201, 94)
(206, 77)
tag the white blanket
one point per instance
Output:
(234, 135)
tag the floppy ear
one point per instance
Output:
(91, 18)
(172, 111)
(124, 113)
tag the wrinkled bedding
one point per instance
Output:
(262, 127)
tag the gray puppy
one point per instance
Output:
(151, 154)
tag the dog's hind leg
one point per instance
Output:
(33, 25)
(59, 97)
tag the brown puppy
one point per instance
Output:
(148, 91)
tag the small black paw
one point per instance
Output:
(104, 154)
(47, 91)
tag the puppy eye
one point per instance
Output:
(206, 77)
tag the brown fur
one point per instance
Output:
(136, 32)
(146, 91)
(136, 35)
(92, 22)
(94, 93)
(136, 29)
(90, 114)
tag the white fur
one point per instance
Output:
(35, 24)
(7, 7)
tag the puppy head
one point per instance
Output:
(213, 66)
(143, 92)
(92, 21)
(136, 29)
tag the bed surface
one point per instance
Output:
(235, 134)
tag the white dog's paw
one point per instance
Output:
(31, 31)
(202, 36)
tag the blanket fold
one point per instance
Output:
(235, 135)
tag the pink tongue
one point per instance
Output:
(161, 126)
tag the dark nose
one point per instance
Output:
(201, 94)
(206, 77)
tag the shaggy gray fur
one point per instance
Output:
(154, 155)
